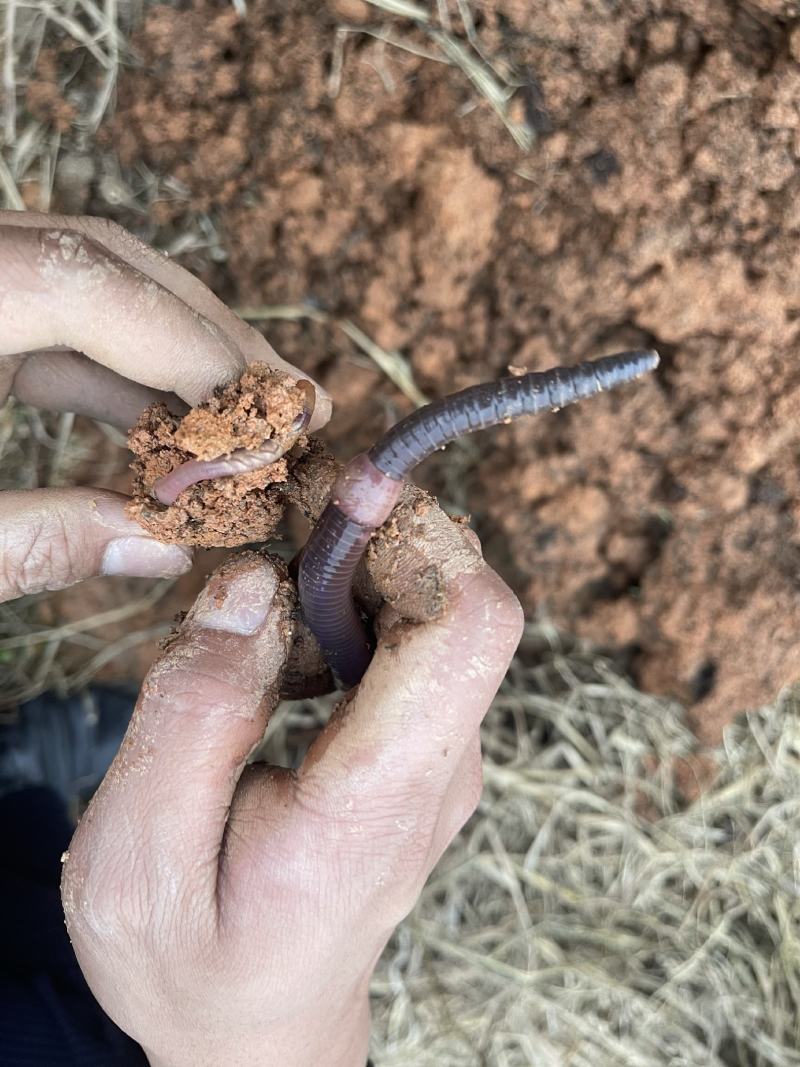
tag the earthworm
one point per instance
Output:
(369, 486)
(168, 488)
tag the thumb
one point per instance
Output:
(159, 819)
(52, 538)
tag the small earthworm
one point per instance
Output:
(170, 486)
(369, 486)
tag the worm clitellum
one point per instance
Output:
(369, 486)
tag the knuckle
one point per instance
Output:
(39, 556)
(106, 895)
(89, 892)
(203, 682)
(488, 602)
(69, 255)
(122, 899)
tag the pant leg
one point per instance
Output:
(48, 1016)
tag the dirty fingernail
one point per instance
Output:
(143, 557)
(237, 603)
(323, 406)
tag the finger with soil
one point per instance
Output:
(410, 559)
(151, 265)
(63, 286)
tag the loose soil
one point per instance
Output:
(658, 206)
(224, 512)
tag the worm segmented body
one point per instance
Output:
(369, 487)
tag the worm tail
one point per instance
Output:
(168, 488)
(480, 406)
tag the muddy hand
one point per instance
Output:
(257, 900)
(95, 322)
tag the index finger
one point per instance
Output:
(184, 285)
(59, 287)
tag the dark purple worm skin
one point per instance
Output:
(167, 489)
(369, 487)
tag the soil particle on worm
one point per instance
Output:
(410, 559)
(224, 512)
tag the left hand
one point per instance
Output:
(95, 322)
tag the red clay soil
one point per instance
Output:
(225, 512)
(659, 205)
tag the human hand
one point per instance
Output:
(95, 322)
(232, 914)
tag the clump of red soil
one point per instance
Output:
(227, 511)
(659, 206)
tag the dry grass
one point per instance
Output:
(393, 364)
(35, 159)
(459, 48)
(30, 151)
(589, 915)
(586, 915)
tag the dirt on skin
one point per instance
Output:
(409, 560)
(659, 206)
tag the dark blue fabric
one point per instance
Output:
(48, 1016)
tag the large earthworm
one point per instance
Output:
(170, 486)
(369, 486)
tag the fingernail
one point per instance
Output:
(109, 511)
(143, 557)
(237, 603)
(323, 406)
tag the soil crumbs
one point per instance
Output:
(658, 206)
(225, 512)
